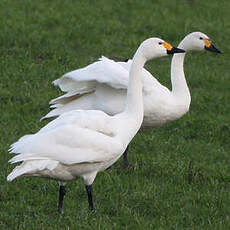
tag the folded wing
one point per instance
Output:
(74, 137)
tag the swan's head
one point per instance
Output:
(198, 41)
(156, 47)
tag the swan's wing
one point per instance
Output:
(85, 80)
(68, 146)
(104, 71)
(94, 120)
(74, 137)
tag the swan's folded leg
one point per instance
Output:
(62, 192)
(125, 157)
(89, 190)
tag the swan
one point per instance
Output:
(103, 85)
(81, 143)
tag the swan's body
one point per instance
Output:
(103, 85)
(82, 143)
(88, 138)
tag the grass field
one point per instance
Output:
(180, 174)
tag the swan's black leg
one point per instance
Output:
(62, 192)
(125, 156)
(89, 190)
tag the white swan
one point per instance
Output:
(82, 143)
(103, 84)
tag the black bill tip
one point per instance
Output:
(212, 48)
(175, 50)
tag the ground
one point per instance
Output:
(180, 174)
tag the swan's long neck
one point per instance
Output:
(179, 84)
(134, 101)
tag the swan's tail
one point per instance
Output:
(17, 172)
(32, 168)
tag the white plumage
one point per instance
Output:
(103, 85)
(82, 143)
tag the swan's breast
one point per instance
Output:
(161, 114)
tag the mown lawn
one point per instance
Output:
(180, 174)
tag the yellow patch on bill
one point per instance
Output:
(207, 43)
(167, 46)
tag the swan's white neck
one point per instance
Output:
(134, 101)
(179, 85)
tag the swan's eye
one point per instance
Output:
(160, 43)
(201, 38)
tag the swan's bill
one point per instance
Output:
(174, 50)
(171, 50)
(210, 47)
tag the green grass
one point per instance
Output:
(41, 40)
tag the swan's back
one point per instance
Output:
(74, 137)
(100, 86)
